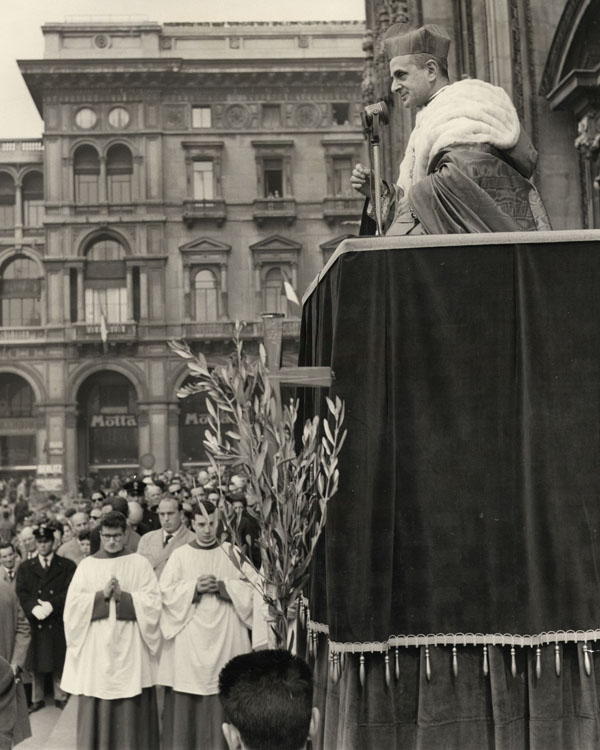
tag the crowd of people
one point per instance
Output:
(135, 598)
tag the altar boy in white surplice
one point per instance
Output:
(209, 607)
(111, 619)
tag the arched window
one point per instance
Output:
(206, 304)
(16, 397)
(20, 287)
(86, 168)
(17, 441)
(7, 201)
(274, 299)
(119, 171)
(33, 199)
(105, 281)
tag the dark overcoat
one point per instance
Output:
(48, 645)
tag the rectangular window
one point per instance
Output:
(271, 115)
(342, 169)
(119, 188)
(86, 188)
(113, 301)
(273, 178)
(203, 181)
(7, 216)
(17, 450)
(34, 213)
(201, 117)
(340, 113)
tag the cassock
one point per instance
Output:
(15, 636)
(110, 650)
(201, 634)
(467, 168)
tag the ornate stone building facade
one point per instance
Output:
(185, 172)
(545, 53)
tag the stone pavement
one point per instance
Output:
(52, 729)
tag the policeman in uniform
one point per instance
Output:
(42, 584)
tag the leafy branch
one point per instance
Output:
(289, 481)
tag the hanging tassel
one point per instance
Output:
(397, 664)
(361, 670)
(303, 614)
(387, 669)
(310, 643)
(338, 669)
(427, 664)
(513, 662)
(586, 660)
(343, 662)
(332, 666)
(557, 659)
(538, 662)
(486, 666)
(315, 643)
(454, 661)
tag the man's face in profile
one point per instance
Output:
(413, 84)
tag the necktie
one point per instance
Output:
(167, 539)
(11, 575)
(44, 562)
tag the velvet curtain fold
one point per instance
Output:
(469, 483)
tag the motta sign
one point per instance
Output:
(113, 420)
(194, 417)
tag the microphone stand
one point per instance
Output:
(373, 117)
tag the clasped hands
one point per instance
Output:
(207, 584)
(112, 589)
(42, 610)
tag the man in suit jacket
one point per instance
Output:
(15, 636)
(42, 584)
(158, 545)
(9, 564)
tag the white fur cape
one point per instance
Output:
(469, 111)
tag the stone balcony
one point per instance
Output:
(224, 330)
(270, 209)
(31, 334)
(342, 209)
(90, 332)
(204, 210)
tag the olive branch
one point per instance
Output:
(290, 477)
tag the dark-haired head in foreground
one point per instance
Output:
(267, 701)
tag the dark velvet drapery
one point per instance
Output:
(470, 481)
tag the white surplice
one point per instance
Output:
(111, 658)
(200, 638)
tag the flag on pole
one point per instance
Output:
(103, 329)
(290, 293)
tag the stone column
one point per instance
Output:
(71, 445)
(102, 192)
(173, 437)
(18, 211)
(80, 296)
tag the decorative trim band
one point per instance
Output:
(459, 639)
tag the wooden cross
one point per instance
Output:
(309, 377)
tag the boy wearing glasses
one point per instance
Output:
(111, 626)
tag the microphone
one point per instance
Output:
(379, 110)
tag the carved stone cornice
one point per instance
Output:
(47, 77)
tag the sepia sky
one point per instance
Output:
(21, 36)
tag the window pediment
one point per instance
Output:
(205, 250)
(276, 249)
